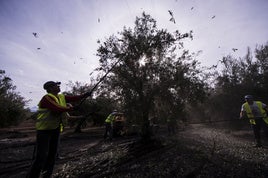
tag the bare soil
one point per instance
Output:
(196, 151)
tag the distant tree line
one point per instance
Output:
(12, 104)
(237, 78)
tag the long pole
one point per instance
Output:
(101, 79)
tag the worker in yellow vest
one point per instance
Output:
(52, 108)
(256, 112)
(109, 121)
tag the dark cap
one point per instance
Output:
(49, 84)
(114, 112)
(248, 97)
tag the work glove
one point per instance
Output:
(87, 94)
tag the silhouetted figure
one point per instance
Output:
(256, 112)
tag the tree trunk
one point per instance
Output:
(146, 133)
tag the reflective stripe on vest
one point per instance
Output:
(47, 120)
(64, 121)
(250, 114)
(110, 118)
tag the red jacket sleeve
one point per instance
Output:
(49, 103)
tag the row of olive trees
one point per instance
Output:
(156, 77)
(152, 75)
(12, 105)
(238, 77)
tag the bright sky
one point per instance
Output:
(67, 32)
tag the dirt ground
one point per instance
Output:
(196, 151)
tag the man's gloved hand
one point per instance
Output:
(87, 94)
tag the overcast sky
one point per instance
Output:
(67, 31)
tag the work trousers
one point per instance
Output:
(108, 131)
(260, 124)
(171, 128)
(45, 154)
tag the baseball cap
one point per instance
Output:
(248, 97)
(49, 84)
(114, 112)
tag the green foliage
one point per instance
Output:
(101, 105)
(11, 103)
(238, 78)
(154, 69)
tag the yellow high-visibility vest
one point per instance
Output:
(47, 120)
(250, 114)
(110, 118)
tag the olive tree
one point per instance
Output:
(151, 70)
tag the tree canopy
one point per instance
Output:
(153, 70)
